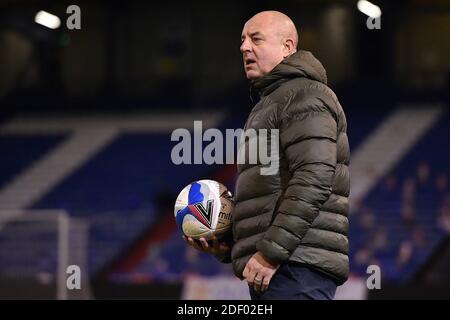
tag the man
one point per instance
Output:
(290, 229)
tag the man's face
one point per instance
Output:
(261, 47)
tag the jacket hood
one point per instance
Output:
(300, 64)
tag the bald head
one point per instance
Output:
(267, 38)
(280, 23)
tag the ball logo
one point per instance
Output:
(204, 215)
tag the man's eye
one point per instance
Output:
(257, 39)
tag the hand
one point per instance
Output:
(259, 271)
(216, 248)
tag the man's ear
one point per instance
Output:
(289, 47)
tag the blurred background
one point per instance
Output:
(86, 117)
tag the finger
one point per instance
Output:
(204, 243)
(257, 282)
(247, 276)
(245, 273)
(251, 277)
(265, 284)
(194, 244)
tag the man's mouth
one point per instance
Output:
(249, 62)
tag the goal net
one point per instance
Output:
(39, 251)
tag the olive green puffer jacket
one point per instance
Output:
(300, 213)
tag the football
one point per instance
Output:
(204, 209)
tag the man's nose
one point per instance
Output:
(245, 46)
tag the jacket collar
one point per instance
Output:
(300, 64)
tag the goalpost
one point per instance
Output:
(36, 249)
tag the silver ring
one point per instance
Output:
(258, 280)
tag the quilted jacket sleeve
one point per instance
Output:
(308, 134)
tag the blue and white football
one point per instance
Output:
(203, 209)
